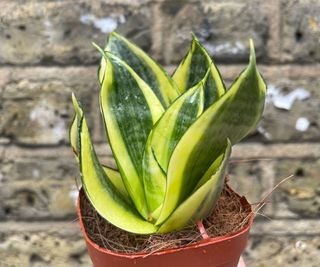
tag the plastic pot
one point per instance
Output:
(223, 251)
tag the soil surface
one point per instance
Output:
(227, 217)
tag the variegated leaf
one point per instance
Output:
(103, 195)
(151, 72)
(192, 70)
(154, 179)
(163, 139)
(115, 178)
(202, 200)
(233, 116)
(175, 121)
(113, 175)
(130, 109)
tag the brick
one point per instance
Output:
(224, 29)
(42, 244)
(273, 243)
(42, 32)
(40, 183)
(57, 164)
(258, 151)
(280, 123)
(301, 31)
(37, 107)
(38, 99)
(299, 197)
(254, 169)
(38, 199)
(296, 251)
(284, 83)
(279, 227)
(61, 244)
(252, 179)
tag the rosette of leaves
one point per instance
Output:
(171, 136)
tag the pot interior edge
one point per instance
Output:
(201, 243)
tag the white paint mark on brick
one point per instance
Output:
(302, 124)
(59, 130)
(122, 19)
(285, 101)
(86, 19)
(264, 132)
(227, 47)
(49, 31)
(35, 173)
(46, 118)
(212, 49)
(74, 194)
(48, 24)
(300, 245)
(105, 25)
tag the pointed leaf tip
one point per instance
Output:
(99, 49)
(73, 97)
(114, 33)
(77, 106)
(143, 65)
(194, 37)
(252, 52)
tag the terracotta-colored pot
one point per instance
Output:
(223, 251)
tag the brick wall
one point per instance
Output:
(46, 53)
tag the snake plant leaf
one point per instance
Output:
(115, 178)
(102, 194)
(74, 128)
(233, 116)
(73, 135)
(113, 175)
(175, 121)
(130, 109)
(163, 139)
(154, 179)
(192, 70)
(152, 73)
(202, 200)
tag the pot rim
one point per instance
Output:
(199, 244)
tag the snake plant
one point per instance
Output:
(171, 136)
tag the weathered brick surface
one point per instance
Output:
(37, 200)
(299, 197)
(45, 54)
(35, 102)
(295, 251)
(283, 243)
(40, 184)
(62, 31)
(253, 179)
(61, 244)
(223, 27)
(301, 31)
(42, 244)
(293, 94)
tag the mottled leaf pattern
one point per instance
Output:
(102, 194)
(171, 138)
(233, 116)
(147, 69)
(192, 70)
